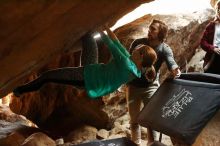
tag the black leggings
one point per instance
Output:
(67, 75)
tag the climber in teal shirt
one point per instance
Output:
(99, 79)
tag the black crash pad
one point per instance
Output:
(182, 107)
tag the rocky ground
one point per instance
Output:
(115, 106)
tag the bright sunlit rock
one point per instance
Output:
(164, 7)
(6, 100)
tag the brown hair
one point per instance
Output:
(216, 10)
(163, 29)
(149, 59)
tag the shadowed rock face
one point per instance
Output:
(35, 31)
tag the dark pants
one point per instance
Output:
(214, 66)
(67, 75)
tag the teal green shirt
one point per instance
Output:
(102, 79)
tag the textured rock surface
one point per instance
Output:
(14, 128)
(38, 139)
